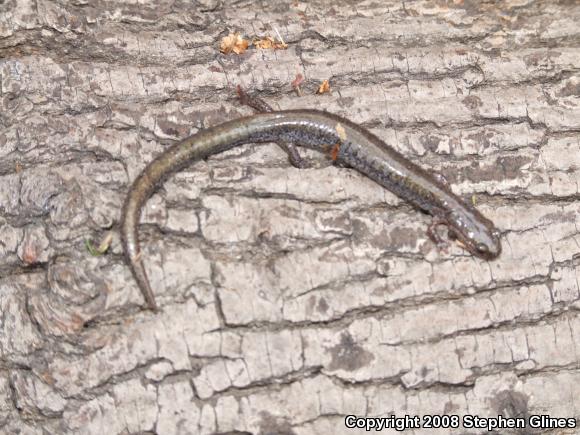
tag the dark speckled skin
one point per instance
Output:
(345, 142)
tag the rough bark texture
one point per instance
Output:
(290, 298)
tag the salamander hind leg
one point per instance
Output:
(255, 103)
(441, 178)
(261, 106)
(293, 155)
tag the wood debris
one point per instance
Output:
(324, 88)
(235, 43)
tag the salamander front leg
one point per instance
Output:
(434, 234)
(261, 106)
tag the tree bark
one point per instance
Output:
(290, 298)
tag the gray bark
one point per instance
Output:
(290, 298)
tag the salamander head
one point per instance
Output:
(475, 233)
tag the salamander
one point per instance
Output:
(346, 143)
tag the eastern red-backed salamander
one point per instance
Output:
(345, 142)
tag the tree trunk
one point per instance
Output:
(290, 298)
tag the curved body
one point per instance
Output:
(345, 142)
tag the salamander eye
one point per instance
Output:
(482, 249)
